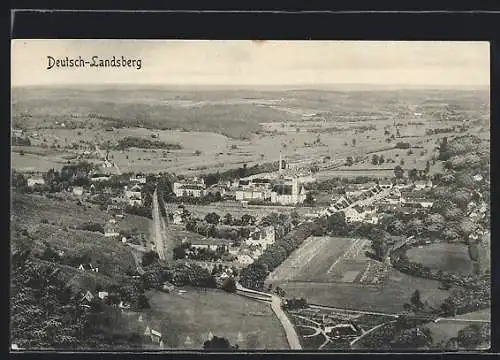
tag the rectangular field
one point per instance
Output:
(195, 314)
(329, 259)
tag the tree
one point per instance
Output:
(228, 219)
(474, 335)
(375, 159)
(349, 161)
(212, 218)
(380, 246)
(398, 172)
(149, 258)
(413, 338)
(413, 175)
(229, 285)
(353, 142)
(309, 200)
(247, 219)
(219, 343)
(381, 159)
(416, 301)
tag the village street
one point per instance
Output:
(158, 227)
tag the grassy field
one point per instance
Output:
(390, 296)
(194, 314)
(442, 332)
(447, 257)
(224, 118)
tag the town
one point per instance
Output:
(157, 219)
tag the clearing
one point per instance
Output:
(195, 314)
(443, 256)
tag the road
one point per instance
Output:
(370, 331)
(352, 311)
(138, 261)
(291, 334)
(158, 227)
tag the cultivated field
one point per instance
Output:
(443, 256)
(237, 126)
(194, 314)
(330, 259)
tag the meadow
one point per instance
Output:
(390, 296)
(443, 256)
(195, 313)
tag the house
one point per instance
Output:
(193, 188)
(177, 217)
(17, 132)
(244, 259)
(478, 177)
(139, 179)
(422, 184)
(88, 296)
(99, 177)
(385, 184)
(249, 194)
(155, 336)
(211, 244)
(88, 267)
(262, 236)
(352, 215)
(123, 305)
(103, 295)
(78, 190)
(110, 230)
(133, 196)
(167, 287)
(341, 330)
(35, 181)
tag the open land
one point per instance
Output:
(196, 313)
(443, 256)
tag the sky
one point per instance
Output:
(249, 63)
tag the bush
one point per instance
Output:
(90, 226)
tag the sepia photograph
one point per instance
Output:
(210, 195)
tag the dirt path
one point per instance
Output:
(158, 231)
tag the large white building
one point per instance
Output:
(288, 193)
(193, 188)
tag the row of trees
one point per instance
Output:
(253, 276)
(242, 172)
(135, 142)
(205, 229)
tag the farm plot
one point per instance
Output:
(187, 319)
(311, 260)
(330, 259)
(443, 256)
